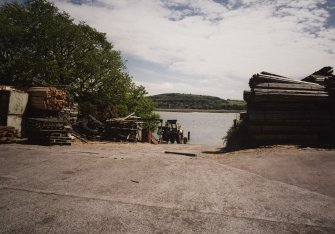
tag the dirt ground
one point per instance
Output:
(138, 188)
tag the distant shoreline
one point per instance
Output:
(198, 110)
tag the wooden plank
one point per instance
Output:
(279, 98)
(293, 106)
(265, 91)
(271, 74)
(277, 129)
(275, 79)
(289, 113)
(181, 153)
(267, 85)
(287, 117)
(289, 94)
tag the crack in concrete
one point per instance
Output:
(108, 199)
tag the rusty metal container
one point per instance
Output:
(12, 106)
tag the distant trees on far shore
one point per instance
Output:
(190, 101)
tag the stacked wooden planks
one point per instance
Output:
(48, 131)
(47, 98)
(8, 134)
(330, 81)
(321, 76)
(283, 110)
(70, 113)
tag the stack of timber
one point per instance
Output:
(283, 110)
(47, 98)
(123, 129)
(8, 134)
(326, 77)
(48, 131)
(320, 76)
(330, 81)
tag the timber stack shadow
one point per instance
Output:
(281, 110)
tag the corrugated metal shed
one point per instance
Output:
(13, 103)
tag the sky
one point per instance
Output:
(212, 47)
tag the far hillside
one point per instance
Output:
(191, 101)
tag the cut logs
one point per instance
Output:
(47, 98)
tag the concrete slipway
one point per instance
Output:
(137, 188)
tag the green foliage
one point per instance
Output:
(37, 40)
(190, 101)
(237, 137)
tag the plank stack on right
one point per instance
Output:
(283, 110)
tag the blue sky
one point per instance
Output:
(212, 47)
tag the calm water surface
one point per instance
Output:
(205, 128)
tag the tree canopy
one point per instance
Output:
(37, 40)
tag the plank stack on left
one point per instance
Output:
(48, 131)
(45, 125)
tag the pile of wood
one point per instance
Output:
(90, 128)
(48, 131)
(283, 110)
(8, 134)
(47, 98)
(321, 76)
(123, 129)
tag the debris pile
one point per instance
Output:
(51, 115)
(283, 110)
(47, 98)
(8, 134)
(123, 129)
(90, 127)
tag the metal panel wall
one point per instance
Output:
(17, 102)
(15, 121)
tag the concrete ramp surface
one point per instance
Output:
(137, 188)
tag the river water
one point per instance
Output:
(205, 128)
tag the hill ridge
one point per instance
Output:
(195, 101)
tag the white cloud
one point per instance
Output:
(214, 48)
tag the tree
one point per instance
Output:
(37, 40)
